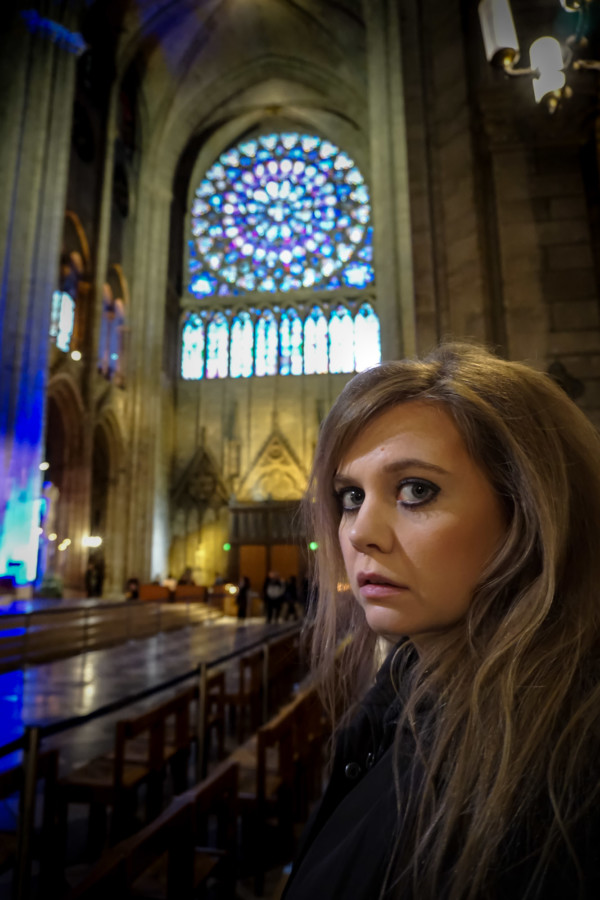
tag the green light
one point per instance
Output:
(227, 547)
(313, 545)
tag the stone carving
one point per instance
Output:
(275, 474)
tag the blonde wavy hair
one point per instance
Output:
(507, 703)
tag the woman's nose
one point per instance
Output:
(371, 528)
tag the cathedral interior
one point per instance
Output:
(215, 211)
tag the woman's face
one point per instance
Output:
(419, 521)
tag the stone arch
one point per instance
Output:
(108, 498)
(65, 453)
(75, 239)
(112, 345)
(75, 266)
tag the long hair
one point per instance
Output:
(507, 702)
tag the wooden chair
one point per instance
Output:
(43, 841)
(140, 756)
(243, 693)
(170, 858)
(214, 719)
(283, 670)
(309, 730)
(266, 789)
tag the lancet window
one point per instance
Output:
(268, 342)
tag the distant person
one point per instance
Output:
(100, 568)
(170, 583)
(132, 589)
(242, 597)
(273, 591)
(290, 599)
(219, 579)
(91, 579)
(186, 576)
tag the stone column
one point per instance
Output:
(147, 523)
(389, 179)
(38, 50)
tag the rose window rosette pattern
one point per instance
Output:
(282, 212)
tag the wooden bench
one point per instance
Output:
(190, 592)
(154, 592)
(171, 857)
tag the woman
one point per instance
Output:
(458, 497)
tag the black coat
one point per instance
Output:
(347, 845)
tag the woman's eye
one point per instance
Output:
(351, 498)
(417, 492)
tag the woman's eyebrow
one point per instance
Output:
(394, 468)
(412, 463)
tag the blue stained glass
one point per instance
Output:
(192, 351)
(242, 346)
(266, 344)
(290, 339)
(315, 343)
(367, 338)
(358, 275)
(266, 191)
(217, 347)
(62, 319)
(341, 341)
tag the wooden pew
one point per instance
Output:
(154, 592)
(170, 858)
(190, 592)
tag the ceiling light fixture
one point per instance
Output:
(549, 59)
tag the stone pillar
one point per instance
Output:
(389, 179)
(38, 51)
(147, 525)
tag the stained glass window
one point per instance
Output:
(367, 338)
(62, 319)
(341, 341)
(217, 347)
(242, 346)
(192, 352)
(279, 213)
(267, 348)
(315, 343)
(290, 340)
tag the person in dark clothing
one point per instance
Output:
(290, 599)
(273, 591)
(456, 504)
(92, 580)
(242, 597)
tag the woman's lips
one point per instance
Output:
(373, 587)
